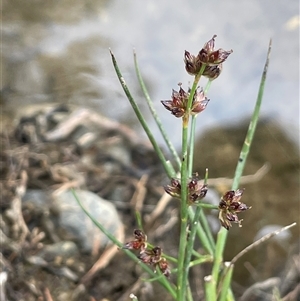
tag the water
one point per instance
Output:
(60, 53)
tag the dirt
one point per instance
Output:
(132, 180)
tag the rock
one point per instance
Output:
(76, 224)
(64, 250)
(71, 223)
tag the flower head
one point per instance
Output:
(164, 267)
(178, 104)
(196, 189)
(200, 102)
(153, 257)
(192, 63)
(212, 58)
(212, 72)
(208, 55)
(139, 242)
(150, 256)
(229, 206)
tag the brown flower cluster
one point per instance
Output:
(178, 104)
(151, 256)
(212, 58)
(196, 190)
(230, 206)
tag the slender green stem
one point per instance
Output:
(222, 235)
(183, 217)
(252, 126)
(193, 136)
(207, 229)
(194, 86)
(154, 113)
(168, 168)
(226, 283)
(218, 258)
(192, 145)
(139, 220)
(204, 258)
(207, 206)
(210, 292)
(189, 294)
(182, 275)
(207, 86)
(190, 244)
(201, 233)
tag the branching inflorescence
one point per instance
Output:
(186, 186)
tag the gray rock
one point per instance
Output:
(63, 249)
(70, 223)
(76, 224)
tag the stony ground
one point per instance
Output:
(50, 249)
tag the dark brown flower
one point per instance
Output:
(212, 72)
(174, 189)
(179, 102)
(229, 206)
(164, 267)
(200, 102)
(192, 63)
(153, 257)
(196, 189)
(208, 55)
(139, 242)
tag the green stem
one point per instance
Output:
(204, 258)
(192, 145)
(207, 229)
(189, 294)
(183, 218)
(252, 126)
(226, 283)
(201, 233)
(194, 86)
(208, 206)
(182, 275)
(154, 113)
(168, 168)
(193, 136)
(218, 258)
(190, 245)
(222, 235)
(210, 292)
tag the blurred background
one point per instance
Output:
(58, 51)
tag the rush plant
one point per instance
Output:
(186, 105)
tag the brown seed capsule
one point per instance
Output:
(208, 55)
(139, 243)
(229, 206)
(179, 103)
(196, 189)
